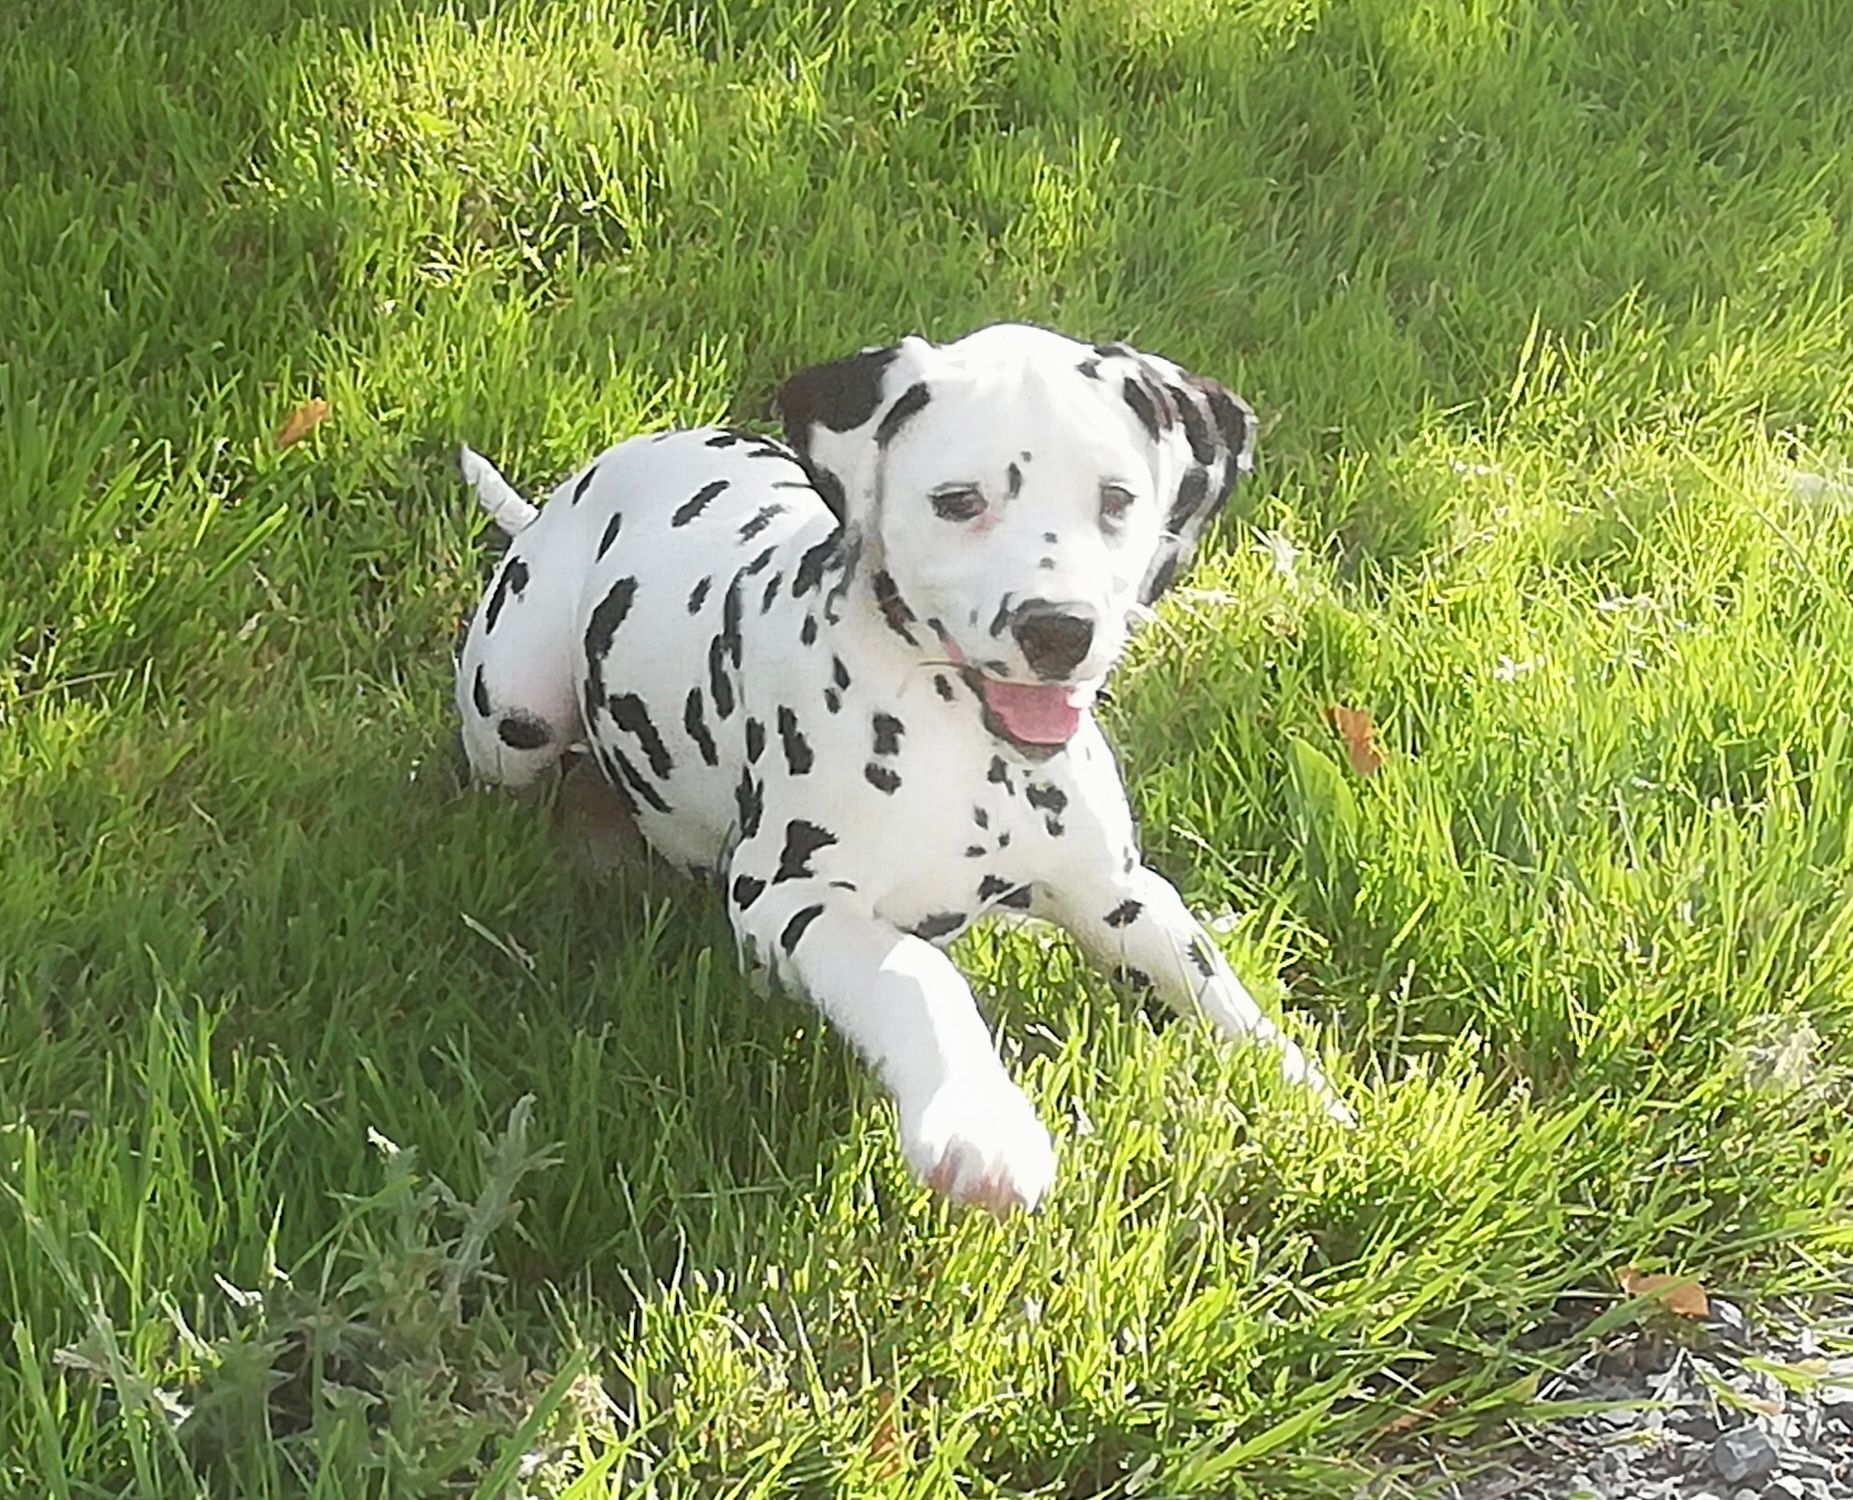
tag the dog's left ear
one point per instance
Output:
(840, 416)
(1203, 439)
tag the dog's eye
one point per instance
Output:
(957, 502)
(1115, 501)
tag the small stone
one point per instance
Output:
(1694, 1422)
(1728, 1322)
(1744, 1453)
(1782, 1487)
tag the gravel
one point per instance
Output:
(1727, 1409)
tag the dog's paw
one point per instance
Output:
(980, 1142)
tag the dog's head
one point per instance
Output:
(1027, 494)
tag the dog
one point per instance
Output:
(850, 677)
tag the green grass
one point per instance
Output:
(1545, 307)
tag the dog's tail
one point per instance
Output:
(495, 494)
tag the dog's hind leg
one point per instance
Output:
(515, 685)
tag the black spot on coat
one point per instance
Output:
(697, 503)
(1136, 980)
(1123, 914)
(761, 519)
(585, 481)
(888, 731)
(635, 780)
(611, 534)
(609, 770)
(893, 607)
(730, 620)
(812, 565)
(630, 714)
(720, 686)
(697, 727)
(750, 801)
(511, 580)
(881, 778)
(1201, 957)
(523, 731)
(1045, 797)
(600, 630)
(798, 756)
(794, 929)
(746, 890)
(939, 925)
(755, 740)
(479, 693)
(802, 840)
(698, 595)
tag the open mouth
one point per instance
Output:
(1034, 715)
(1040, 713)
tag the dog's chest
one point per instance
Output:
(905, 794)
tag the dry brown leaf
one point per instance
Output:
(1435, 1404)
(304, 420)
(885, 1442)
(1360, 736)
(1677, 1294)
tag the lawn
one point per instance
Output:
(356, 1141)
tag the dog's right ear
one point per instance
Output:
(839, 416)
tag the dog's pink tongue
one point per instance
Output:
(1035, 714)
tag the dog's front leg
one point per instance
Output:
(1137, 926)
(965, 1128)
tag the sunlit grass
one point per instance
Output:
(1546, 312)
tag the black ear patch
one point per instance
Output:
(840, 395)
(1233, 418)
(1209, 435)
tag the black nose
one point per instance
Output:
(1053, 639)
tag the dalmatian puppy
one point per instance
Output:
(850, 678)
